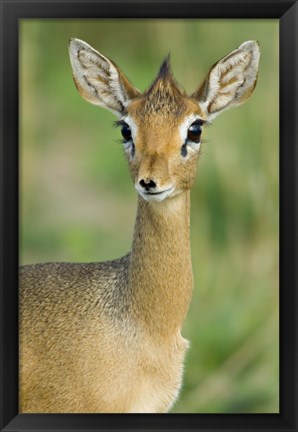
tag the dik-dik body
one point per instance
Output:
(106, 337)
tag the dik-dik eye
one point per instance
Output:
(193, 137)
(194, 131)
(126, 132)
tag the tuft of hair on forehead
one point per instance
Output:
(163, 77)
(165, 69)
(164, 93)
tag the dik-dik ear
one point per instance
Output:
(98, 79)
(231, 81)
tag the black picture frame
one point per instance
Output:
(287, 13)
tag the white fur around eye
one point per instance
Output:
(128, 145)
(133, 127)
(194, 146)
(183, 129)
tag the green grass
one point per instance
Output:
(78, 202)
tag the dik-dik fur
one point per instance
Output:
(106, 337)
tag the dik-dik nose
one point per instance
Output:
(147, 184)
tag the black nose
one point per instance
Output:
(147, 184)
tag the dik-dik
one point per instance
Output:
(106, 337)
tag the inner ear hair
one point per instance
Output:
(231, 80)
(98, 79)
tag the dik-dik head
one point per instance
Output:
(162, 127)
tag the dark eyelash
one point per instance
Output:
(202, 122)
(118, 141)
(118, 123)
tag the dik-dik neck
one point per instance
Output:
(160, 274)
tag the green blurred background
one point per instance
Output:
(77, 202)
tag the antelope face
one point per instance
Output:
(162, 128)
(162, 134)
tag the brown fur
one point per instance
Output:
(106, 337)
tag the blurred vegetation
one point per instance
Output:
(78, 202)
